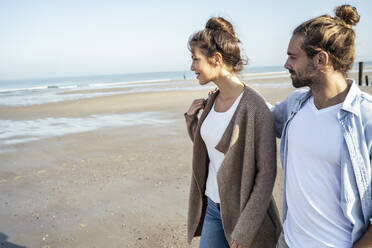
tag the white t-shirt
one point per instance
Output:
(313, 185)
(211, 131)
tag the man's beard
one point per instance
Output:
(305, 78)
(299, 82)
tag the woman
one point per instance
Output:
(234, 153)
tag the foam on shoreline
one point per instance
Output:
(21, 131)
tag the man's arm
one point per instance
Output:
(366, 240)
(279, 112)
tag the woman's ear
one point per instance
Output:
(217, 58)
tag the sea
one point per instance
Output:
(24, 92)
(27, 92)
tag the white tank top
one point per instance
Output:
(211, 131)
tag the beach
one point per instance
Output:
(106, 171)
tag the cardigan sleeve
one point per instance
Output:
(191, 124)
(255, 210)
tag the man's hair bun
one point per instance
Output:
(348, 14)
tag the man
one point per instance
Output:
(326, 139)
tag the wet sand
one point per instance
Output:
(111, 187)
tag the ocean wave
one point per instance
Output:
(68, 87)
(38, 88)
(23, 89)
(129, 82)
(75, 86)
(16, 132)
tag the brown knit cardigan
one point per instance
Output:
(245, 178)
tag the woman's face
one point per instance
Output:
(205, 72)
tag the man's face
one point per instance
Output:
(299, 65)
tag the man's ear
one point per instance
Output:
(321, 60)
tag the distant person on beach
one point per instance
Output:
(326, 139)
(234, 153)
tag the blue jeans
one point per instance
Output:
(212, 233)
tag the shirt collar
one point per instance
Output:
(350, 103)
(302, 98)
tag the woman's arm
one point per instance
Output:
(191, 116)
(191, 124)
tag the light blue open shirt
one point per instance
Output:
(355, 118)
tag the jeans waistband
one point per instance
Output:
(210, 201)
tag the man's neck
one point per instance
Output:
(330, 89)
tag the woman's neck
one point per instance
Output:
(229, 85)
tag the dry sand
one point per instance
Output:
(113, 187)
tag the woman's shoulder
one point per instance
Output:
(253, 99)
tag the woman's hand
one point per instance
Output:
(236, 245)
(210, 93)
(196, 105)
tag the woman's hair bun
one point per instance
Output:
(220, 24)
(348, 14)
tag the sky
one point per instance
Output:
(58, 38)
